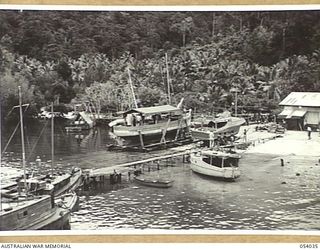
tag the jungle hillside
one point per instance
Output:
(70, 57)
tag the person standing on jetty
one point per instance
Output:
(309, 132)
(245, 131)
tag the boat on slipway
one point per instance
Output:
(211, 128)
(216, 164)
(153, 182)
(159, 124)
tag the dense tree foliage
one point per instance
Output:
(69, 57)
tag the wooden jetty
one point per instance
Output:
(115, 173)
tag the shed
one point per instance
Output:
(301, 109)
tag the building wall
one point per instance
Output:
(312, 118)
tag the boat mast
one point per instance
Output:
(52, 139)
(132, 90)
(168, 80)
(236, 104)
(22, 142)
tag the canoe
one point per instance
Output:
(148, 181)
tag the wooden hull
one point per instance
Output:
(201, 167)
(61, 183)
(36, 213)
(74, 182)
(61, 218)
(153, 183)
(147, 129)
(152, 133)
(232, 127)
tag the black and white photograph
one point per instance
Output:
(160, 120)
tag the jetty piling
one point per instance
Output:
(113, 174)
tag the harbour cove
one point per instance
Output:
(154, 118)
(258, 200)
(133, 120)
(267, 196)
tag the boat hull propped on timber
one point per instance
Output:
(141, 126)
(132, 137)
(231, 126)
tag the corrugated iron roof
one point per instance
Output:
(303, 99)
(155, 110)
(298, 113)
(285, 113)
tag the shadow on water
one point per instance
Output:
(265, 197)
(211, 178)
(38, 140)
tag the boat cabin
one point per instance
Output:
(151, 115)
(222, 160)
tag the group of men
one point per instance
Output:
(134, 119)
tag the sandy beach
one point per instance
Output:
(289, 143)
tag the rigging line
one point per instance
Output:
(63, 132)
(6, 146)
(28, 142)
(35, 144)
(23, 105)
(14, 132)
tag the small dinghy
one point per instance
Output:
(153, 182)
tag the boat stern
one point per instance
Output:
(232, 173)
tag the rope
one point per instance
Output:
(15, 130)
(6, 146)
(35, 144)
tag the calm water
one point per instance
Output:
(266, 197)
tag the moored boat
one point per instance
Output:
(62, 183)
(67, 182)
(35, 212)
(217, 164)
(153, 182)
(22, 210)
